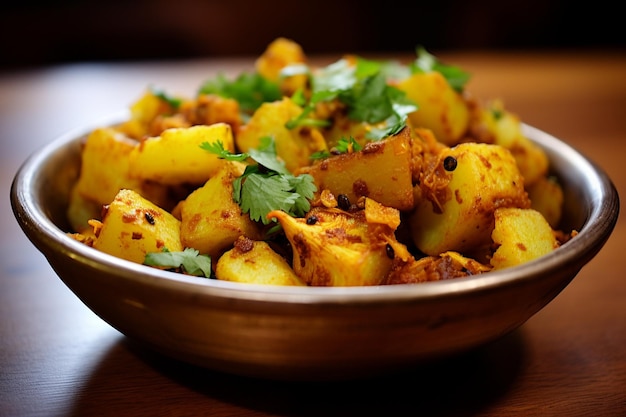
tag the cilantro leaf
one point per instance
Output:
(217, 148)
(267, 185)
(368, 100)
(191, 262)
(249, 89)
(363, 88)
(265, 155)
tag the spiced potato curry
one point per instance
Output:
(361, 172)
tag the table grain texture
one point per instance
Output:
(57, 358)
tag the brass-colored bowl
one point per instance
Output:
(305, 333)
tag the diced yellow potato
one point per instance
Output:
(254, 262)
(506, 129)
(142, 113)
(546, 196)
(210, 219)
(105, 169)
(455, 212)
(294, 147)
(523, 235)
(280, 53)
(133, 226)
(440, 108)
(381, 171)
(175, 157)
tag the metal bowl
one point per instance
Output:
(305, 333)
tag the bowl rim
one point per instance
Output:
(45, 235)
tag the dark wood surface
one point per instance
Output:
(59, 358)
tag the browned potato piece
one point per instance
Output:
(210, 219)
(338, 248)
(133, 226)
(523, 235)
(381, 171)
(254, 262)
(175, 157)
(440, 108)
(458, 216)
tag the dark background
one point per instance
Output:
(35, 33)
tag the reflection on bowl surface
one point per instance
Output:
(302, 333)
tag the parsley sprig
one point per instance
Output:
(267, 185)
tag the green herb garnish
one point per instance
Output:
(364, 89)
(190, 260)
(249, 89)
(267, 185)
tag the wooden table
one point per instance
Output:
(58, 358)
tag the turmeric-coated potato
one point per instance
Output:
(175, 157)
(522, 235)
(142, 112)
(210, 219)
(506, 130)
(293, 146)
(279, 54)
(133, 226)
(254, 262)
(381, 171)
(460, 194)
(440, 108)
(105, 169)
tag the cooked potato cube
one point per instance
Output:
(175, 157)
(440, 108)
(254, 262)
(142, 113)
(458, 216)
(280, 53)
(381, 171)
(133, 226)
(523, 235)
(506, 129)
(294, 147)
(105, 169)
(210, 219)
